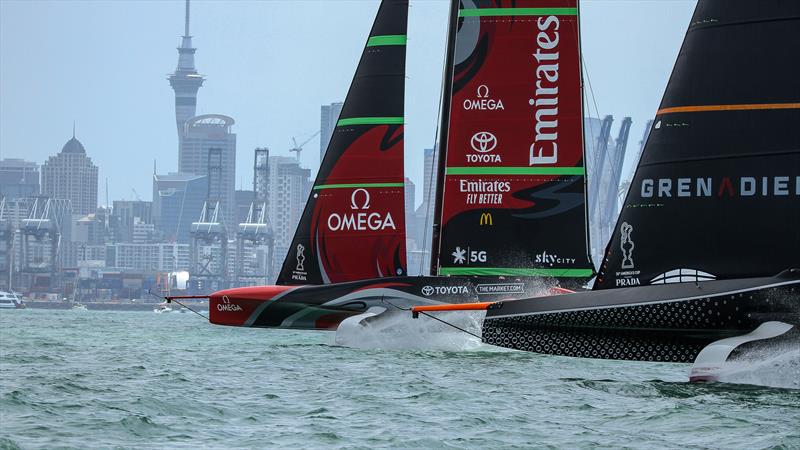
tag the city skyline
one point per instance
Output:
(278, 36)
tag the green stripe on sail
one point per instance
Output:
(370, 121)
(516, 171)
(357, 185)
(389, 39)
(489, 12)
(513, 271)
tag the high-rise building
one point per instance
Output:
(177, 202)
(289, 189)
(410, 194)
(328, 116)
(185, 81)
(18, 178)
(70, 175)
(423, 216)
(209, 149)
(125, 213)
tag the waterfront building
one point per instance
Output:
(410, 216)
(185, 81)
(158, 257)
(289, 188)
(209, 149)
(123, 215)
(328, 116)
(243, 201)
(18, 178)
(71, 175)
(177, 202)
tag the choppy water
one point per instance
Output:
(142, 380)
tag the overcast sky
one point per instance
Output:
(269, 65)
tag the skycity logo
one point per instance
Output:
(483, 102)
(360, 221)
(552, 259)
(779, 186)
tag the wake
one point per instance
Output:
(397, 330)
(772, 366)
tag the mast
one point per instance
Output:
(444, 131)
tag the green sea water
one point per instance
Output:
(86, 379)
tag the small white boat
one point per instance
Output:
(79, 307)
(11, 300)
(162, 308)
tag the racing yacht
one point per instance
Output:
(510, 201)
(703, 263)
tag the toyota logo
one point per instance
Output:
(427, 291)
(483, 142)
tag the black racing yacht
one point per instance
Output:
(703, 263)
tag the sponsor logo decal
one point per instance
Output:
(726, 186)
(483, 101)
(552, 259)
(500, 288)
(363, 219)
(629, 277)
(483, 143)
(444, 290)
(484, 192)
(486, 219)
(460, 256)
(627, 245)
(544, 149)
(227, 306)
(299, 272)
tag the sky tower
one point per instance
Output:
(185, 81)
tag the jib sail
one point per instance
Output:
(513, 196)
(716, 194)
(353, 226)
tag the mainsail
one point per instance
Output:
(353, 226)
(716, 194)
(513, 196)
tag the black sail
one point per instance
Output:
(716, 194)
(353, 225)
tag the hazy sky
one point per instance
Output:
(269, 65)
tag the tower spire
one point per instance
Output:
(186, 30)
(185, 81)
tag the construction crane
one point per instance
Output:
(299, 148)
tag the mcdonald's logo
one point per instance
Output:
(486, 219)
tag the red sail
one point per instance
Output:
(514, 200)
(353, 226)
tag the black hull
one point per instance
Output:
(670, 322)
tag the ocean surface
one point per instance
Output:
(87, 379)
